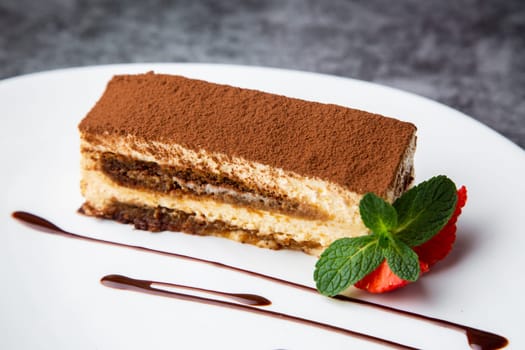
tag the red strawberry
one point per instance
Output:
(440, 245)
(382, 279)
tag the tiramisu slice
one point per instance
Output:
(170, 153)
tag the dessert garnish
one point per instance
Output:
(406, 238)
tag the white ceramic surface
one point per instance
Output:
(51, 298)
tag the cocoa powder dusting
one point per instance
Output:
(359, 150)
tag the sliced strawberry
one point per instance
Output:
(441, 244)
(382, 279)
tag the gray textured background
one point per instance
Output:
(467, 54)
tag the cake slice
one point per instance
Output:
(166, 152)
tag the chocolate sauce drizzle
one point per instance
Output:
(124, 282)
(143, 286)
(476, 338)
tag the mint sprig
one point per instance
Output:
(412, 220)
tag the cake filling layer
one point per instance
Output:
(158, 218)
(151, 176)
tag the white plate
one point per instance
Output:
(51, 297)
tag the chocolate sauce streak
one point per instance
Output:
(142, 286)
(477, 339)
(123, 282)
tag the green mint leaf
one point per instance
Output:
(345, 262)
(423, 210)
(377, 214)
(402, 260)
